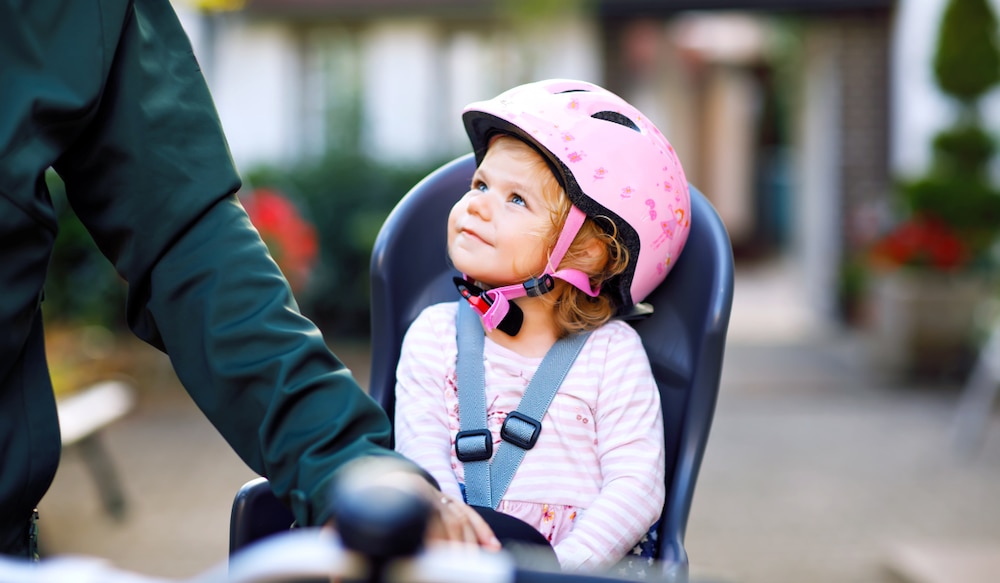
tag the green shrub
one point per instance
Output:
(957, 188)
(963, 149)
(967, 61)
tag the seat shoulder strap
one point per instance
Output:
(474, 443)
(488, 481)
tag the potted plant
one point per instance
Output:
(935, 267)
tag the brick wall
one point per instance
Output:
(863, 63)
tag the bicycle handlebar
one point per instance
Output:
(379, 539)
(307, 554)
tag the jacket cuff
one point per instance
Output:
(317, 508)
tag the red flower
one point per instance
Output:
(291, 239)
(921, 241)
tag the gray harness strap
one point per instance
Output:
(485, 480)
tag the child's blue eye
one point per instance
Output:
(480, 186)
(516, 199)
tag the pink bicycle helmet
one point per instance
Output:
(611, 161)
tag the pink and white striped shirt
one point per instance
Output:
(593, 483)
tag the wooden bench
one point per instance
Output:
(82, 416)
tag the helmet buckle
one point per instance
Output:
(538, 286)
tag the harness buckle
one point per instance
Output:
(520, 430)
(474, 445)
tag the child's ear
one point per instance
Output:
(594, 248)
(596, 254)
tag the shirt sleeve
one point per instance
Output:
(151, 178)
(421, 419)
(630, 448)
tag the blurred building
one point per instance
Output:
(793, 116)
(295, 78)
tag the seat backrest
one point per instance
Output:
(684, 337)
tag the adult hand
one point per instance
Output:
(450, 520)
(455, 520)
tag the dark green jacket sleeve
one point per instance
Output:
(152, 179)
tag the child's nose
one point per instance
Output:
(480, 204)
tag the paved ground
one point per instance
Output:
(817, 470)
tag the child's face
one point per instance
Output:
(498, 231)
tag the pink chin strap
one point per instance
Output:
(500, 297)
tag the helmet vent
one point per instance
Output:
(614, 116)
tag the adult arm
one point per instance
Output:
(151, 178)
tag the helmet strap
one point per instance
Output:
(495, 307)
(574, 221)
(574, 277)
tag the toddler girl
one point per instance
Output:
(577, 210)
